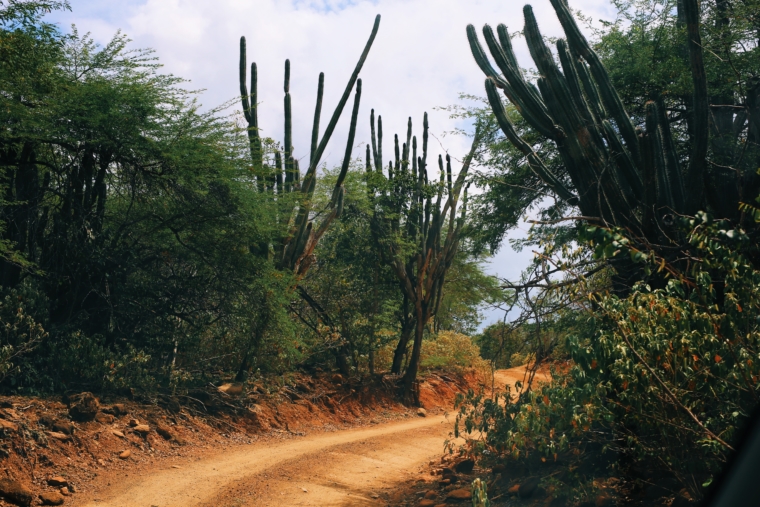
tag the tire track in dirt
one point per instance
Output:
(336, 469)
(358, 467)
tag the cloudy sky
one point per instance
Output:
(420, 59)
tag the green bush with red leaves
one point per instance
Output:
(661, 380)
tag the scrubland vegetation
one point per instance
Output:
(145, 244)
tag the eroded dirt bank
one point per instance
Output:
(342, 442)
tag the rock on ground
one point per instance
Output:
(459, 495)
(527, 488)
(52, 498)
(58, 482)
(104, 418)
(64, 427)
(165, 432)
(15, 492)
(232, 389)
(142, 429)
(83, 407)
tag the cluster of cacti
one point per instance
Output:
(614, 171)
(294, 250)
(416, 227)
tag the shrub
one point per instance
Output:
(663, 381)
(22, 311)
(452, 351)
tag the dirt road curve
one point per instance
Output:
(359, 467)
(345, 468)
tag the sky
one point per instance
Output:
(420, 60)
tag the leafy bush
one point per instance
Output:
(663, 381)
(21, 327)
(452, 351)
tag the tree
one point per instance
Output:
(293, 248)
(416, 229)
(356, 294)
(641, 170)
(124, 210)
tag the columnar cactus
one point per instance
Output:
(294, 250)
(416, 227)
(615, 171)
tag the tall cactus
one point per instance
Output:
(416, 227)
(293, 251)
(615, 171)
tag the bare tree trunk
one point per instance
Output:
(372, 324)
(410, 377)
(398, 354)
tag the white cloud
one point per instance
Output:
(419, 60)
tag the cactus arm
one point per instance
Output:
(626, 178)
(317, 114)
(379, 163)
(344, 98)
(288, 183)
(278, 172)
(249, 103)
(408, 143)
(288, 144)
(573, 81)
(254, 138)
(610, 97)
(414, 157)
(664, 186)
(671, 154)
(243, 90)
(425, 218)
(585, 161)
(592, 92)
(534, 161)
(425, 127)
(349, 143)
(506, 44)
(519, 92)
(397, 153)
(695, 173)
(253, 126)
(448, 173)
(583, 148)
(553, 77)
(373, 138)
(340, 203)
(368, 166)
(480, 57)
(629, 174)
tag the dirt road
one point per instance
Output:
(351, 467)
(354, 467)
